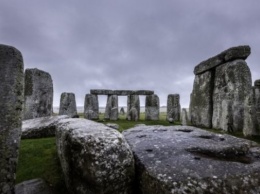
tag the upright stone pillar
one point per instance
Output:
(232, 84)
(112, 107)
(133, 107)
(68, 104)
(152, 107)
(201, 106)
(257, 99)
(11, 104)
(91, 109)
(173, 107)
(38, 94)
(185, 116)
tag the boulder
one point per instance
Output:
(95, 159)
(183, 159)
(40, 127)
(239, 52)
(173, 107)
(201, 105)
(152, 107)
(68, 104)
(34, 186)
(38, 94)
(232, 85)
(91, 109)
(11, 105)
(133, 107)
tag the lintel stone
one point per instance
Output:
(233, 53)
(121, 92)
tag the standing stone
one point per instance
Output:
(133, 107)
(257, 99)
(251, 125)
(91, 107)
(11, 104)
(152, 107)
(185, 117)
(112, 107)
(38, 94)
(173, 107)
(232, 85)
(201, 100)
(68, 104)
(122, 111)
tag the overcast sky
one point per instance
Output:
(128, 44)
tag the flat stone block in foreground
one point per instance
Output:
(182, 159)
(95, 158)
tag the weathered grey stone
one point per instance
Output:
(68, 104)
(38, 94)
(133, 107)
(257, 99)
(34, 186)
(40, 127)
(182, 159)
(185, 116)
(122, 111)
(113, 125)
(257, 83)
(101, 92)
(239, 52)
(201, 105)
(173, 107)
(111, 112)
(122, 92)
(11, 104)
(95, 159)
(152, 107)
(232, 84)
(250, 123)
(143, 92)
(91, 107)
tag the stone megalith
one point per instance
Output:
(11, 105)
(152, 107)
(185, 116)
(201, 105)
(95, 158)
(133, 107)
(122, 111)
(232, 84)
(68, 104)
(38, 94)
(91, 110)
(173, 107)
(111, 112)
(257, 98)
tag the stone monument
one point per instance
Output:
(173, 107)
(152, 107)
(68, 104)
(91, 107)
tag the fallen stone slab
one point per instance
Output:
(34, 186)
(40, 127)
(95, 158)
(233, 53)
(183, 159)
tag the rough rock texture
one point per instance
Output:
(34, 186)
(173, 107)
(250, 123)
(11, 104)
(122, 111)
(68, 104)
(152, 107)
(201, 105)
(95, 159)
(101, 92)
(38, 94)
(133, 107)
(40, 127)
(257, 98)
(185, 116)
(232, 85)
(182, 159)
(239, 52)
(113, 125)
(91, 107)
(111, 112)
